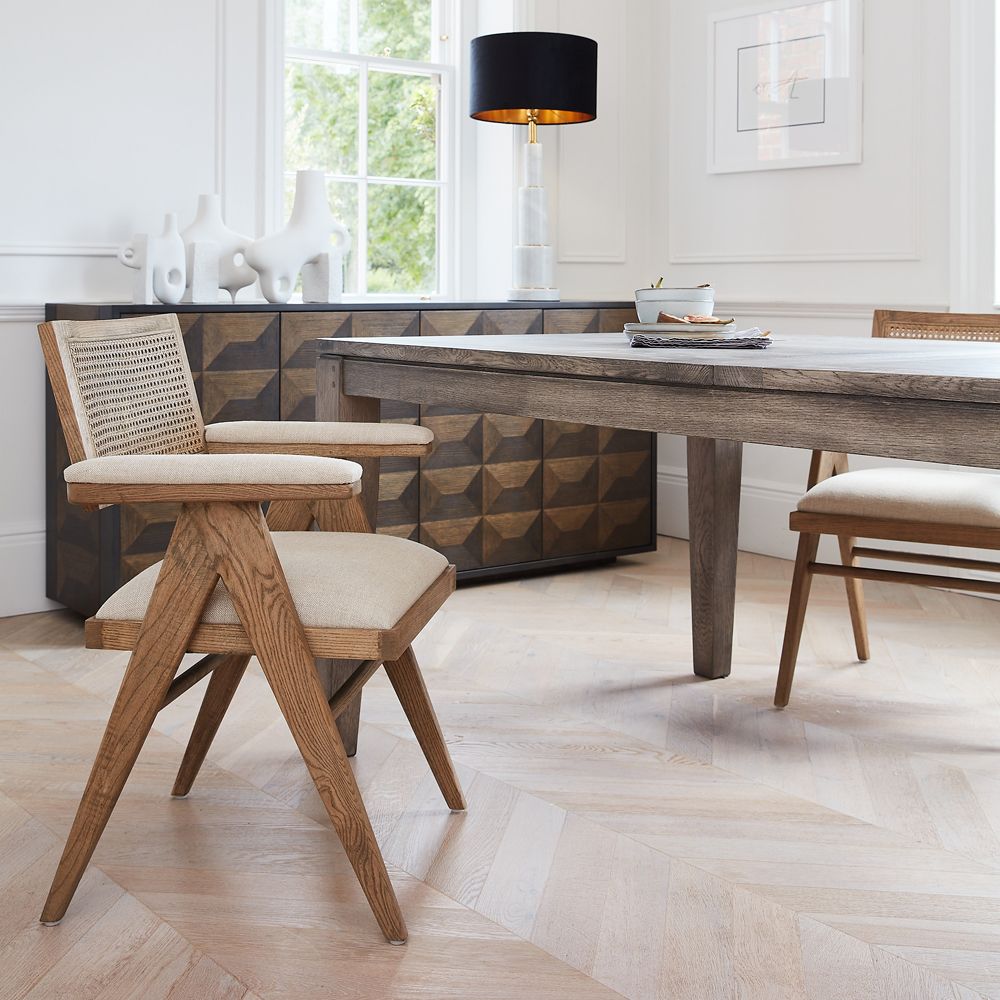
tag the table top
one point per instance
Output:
(907, 368)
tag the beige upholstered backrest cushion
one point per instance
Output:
(130, 386)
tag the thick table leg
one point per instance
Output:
(714, 515)
(333, 404)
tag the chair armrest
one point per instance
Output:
(342, 439)
(205, 478)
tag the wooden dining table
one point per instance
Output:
(935, 401)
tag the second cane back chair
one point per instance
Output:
(931, 506)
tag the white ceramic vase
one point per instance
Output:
(311, 233)
(160, 264)
(209, 237)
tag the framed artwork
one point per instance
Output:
(784, 86)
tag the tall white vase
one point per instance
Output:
(209, 237)
(311, 233)
(167, 258)
(160, 264)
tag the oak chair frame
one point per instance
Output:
(222, 533)
(894, 324)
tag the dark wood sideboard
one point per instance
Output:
(499, 495)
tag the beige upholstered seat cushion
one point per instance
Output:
(967, 498)
(222, 469)
(337, 580)
(306, 432)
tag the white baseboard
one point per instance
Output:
(764, 509)
(22, 570)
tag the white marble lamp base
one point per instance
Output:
(533, 257)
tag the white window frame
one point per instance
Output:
(445, 55)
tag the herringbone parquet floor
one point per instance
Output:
(632, 831)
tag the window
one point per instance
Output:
(369, 91)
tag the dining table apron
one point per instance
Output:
(933, 401)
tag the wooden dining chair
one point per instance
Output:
(929, 506)
(233, 584)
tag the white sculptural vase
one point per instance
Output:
(533, 258)
(311, 234)
(159, 262)
(216, 254)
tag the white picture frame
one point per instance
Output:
(785, 86)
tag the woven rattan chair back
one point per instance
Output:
(936, 326)
(123, 387)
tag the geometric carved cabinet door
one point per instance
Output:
(481, 487)
(596, 488)
(398, 509)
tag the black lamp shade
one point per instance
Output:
(548, 72)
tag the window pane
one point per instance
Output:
(400, 29)
(343, 197)
(402, 125)
(319, 24)
(321, 118)
(402, 239)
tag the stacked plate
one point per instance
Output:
(697, 335)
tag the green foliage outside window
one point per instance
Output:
(322, 102)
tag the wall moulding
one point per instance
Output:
(18, 312)
(58, 249)
(818, 310)
(804, 256)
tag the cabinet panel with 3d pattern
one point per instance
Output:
(498, 495)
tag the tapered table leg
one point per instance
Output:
(332, 403)
(714, 514)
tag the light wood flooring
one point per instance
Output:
(632, 831)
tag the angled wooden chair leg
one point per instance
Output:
(289, 515)
(222, 686)
(408, 683)
(855, 599)
(245, 557)
(341, 515)
(186, 580)
(797, 601)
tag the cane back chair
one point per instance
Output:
(235, 584)
(931, 506)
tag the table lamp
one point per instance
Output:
(533, 78)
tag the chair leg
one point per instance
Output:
(342, 515)
(408, 682)
(237, 536)
(186, 580)
(797, 601)
(289, 515)
(222, 686)
(855, 599)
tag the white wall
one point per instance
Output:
(102, 140)
(600, 175)
(810, 250)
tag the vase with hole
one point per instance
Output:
(159, 262)
(216, 254)
(312, 233)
